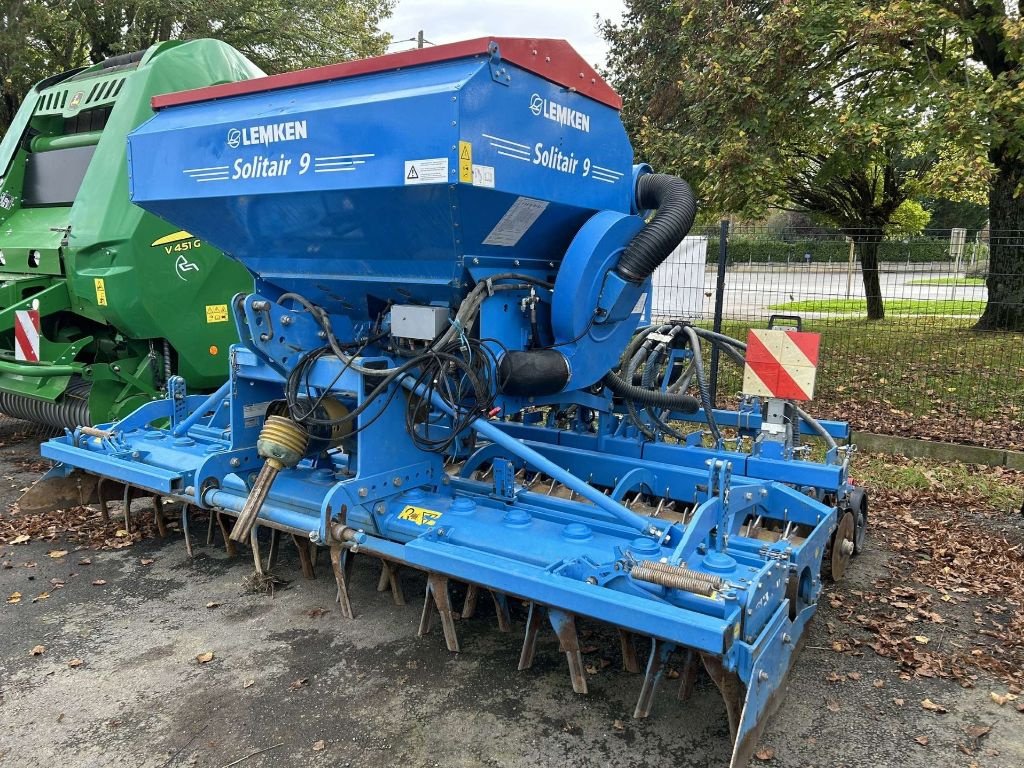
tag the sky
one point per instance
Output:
(445, 21)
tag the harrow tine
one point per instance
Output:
(389, 578)
(184, 527)
(305, 559)
(229, 545)
(439, 599)
(158, 515)
(126, 502)
(341, 563)
(275, 548)
(254, 544)
(688, 677)
(533, 621)
(630, 662)
(103, 500)
(469, 604)
(564, 625)
(501, 609)
(660, 652)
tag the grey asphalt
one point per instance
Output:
(750, 292)
(289, 672)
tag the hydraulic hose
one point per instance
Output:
(676, 209)
(655, 398)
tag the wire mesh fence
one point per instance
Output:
(900, 352)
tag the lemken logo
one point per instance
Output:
(257, 135)
(560, 113)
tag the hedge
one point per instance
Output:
(744, 250)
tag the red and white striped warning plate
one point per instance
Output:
(26, 335)
(781, 364)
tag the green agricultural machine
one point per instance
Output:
(122, 300)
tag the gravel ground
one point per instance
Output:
(290, 676)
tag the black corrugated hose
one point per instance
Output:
(677, 208)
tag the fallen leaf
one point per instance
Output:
(833, 677)
(85, 561)
(121, 533)
(202, 658)
(248, 683)
(213, 605)
(318, 746)
(618, 725)
(147, 561)
(854, 675)
(977, 731)
(75, 663)
(590, 669)
(38, 650)
(316, 613)
(898, 702)
(22, 539)
(99, 582)
(922, 740)
(1001, 698)
(14, 598)
(764, 753)
(296, 684)
(879, 683)
(832, 705)
(931, 706)
(57, 553)
(41, 596)
(921, 639)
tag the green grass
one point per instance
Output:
(949, 281)
(892, 306)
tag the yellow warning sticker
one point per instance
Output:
(466, 162)
(419, 515)
(216, 313)
(101, 291)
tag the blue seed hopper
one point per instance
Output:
(443, 366)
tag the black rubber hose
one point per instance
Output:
(677, 208)
(650, 397)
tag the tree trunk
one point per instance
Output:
(867, 248)
(1005, 308)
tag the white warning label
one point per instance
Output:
(430, 171)
(483, 176)
(515, 222)
(252, 413)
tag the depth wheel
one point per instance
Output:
(842, 547)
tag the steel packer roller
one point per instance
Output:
(444, 364)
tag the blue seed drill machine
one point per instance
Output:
(442, 365)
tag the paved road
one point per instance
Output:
(376, 695)
(749, 292)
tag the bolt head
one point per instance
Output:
(363, 493)
(235, 462)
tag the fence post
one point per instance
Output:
(723, 255)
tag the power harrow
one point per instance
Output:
(440, 366)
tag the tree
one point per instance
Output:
(42, 37)
(847, 109)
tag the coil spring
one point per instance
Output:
(677, 577)
(72, 410)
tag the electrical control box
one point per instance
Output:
(411, 321)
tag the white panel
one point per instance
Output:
(679, 282)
